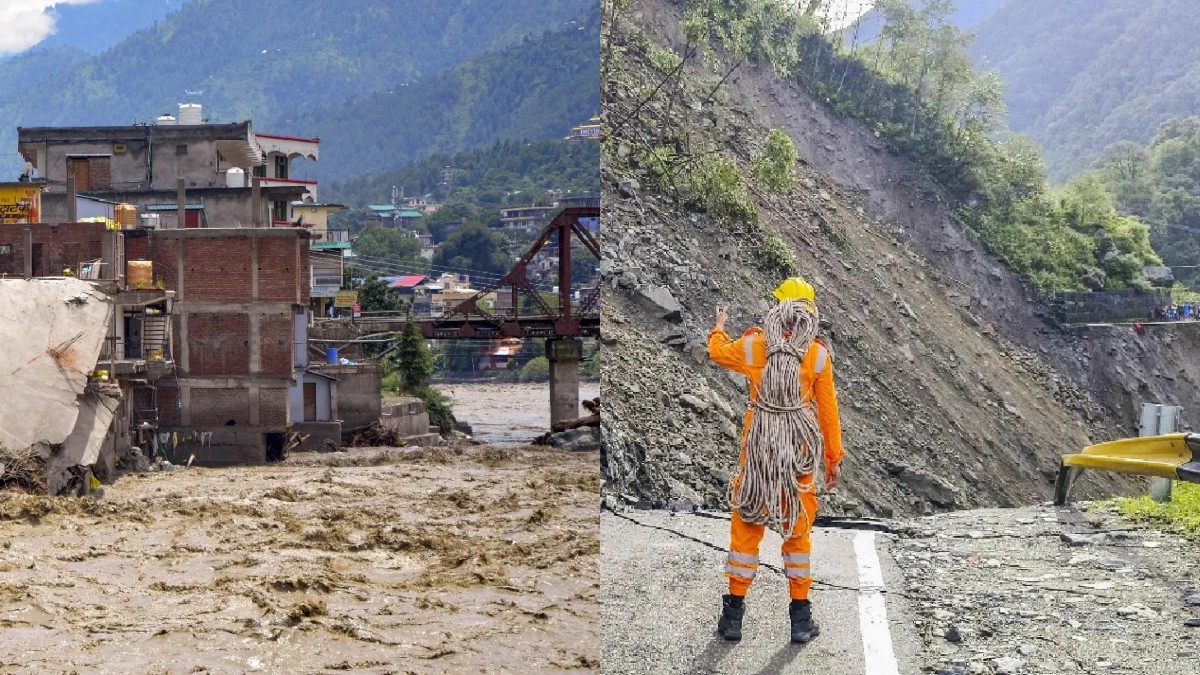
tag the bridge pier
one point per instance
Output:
(564, 355)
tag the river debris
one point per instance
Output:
(377, 435)
(579, 434)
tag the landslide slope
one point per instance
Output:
(955, 392)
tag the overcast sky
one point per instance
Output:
(24, 23)
(842, 13)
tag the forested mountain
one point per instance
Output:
(271, 58)
(967, 15)
(507, 172)
(533, 90)
(96, 26)
(1160, 184)
(1083, 74)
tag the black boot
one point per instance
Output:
(733, 608)
(803, 626)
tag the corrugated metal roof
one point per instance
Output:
(408, 281)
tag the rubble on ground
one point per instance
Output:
(1043, 590)
(376, 435)
(578, 435)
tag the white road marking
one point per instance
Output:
(878, 656)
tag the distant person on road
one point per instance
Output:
(783, 442)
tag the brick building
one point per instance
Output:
(241, 319)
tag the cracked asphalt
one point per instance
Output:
(662, 578)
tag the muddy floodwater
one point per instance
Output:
(507, 414)
(481, 559)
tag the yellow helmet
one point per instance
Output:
(795, 288)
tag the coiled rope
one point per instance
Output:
(784, 441)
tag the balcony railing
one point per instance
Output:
(134, 349)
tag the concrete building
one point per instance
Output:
(315, 218)
(585, 132)
(325, 269)
(423, 205)
(141, 164)
(527, 218)
(392, 216)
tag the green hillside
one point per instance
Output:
(1083, 74)
(96, 26)
(534, 90)
(507, 172)
(271, 59)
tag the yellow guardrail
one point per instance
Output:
(1172, 456)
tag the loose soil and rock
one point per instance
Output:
(957, 391)
(1048, 591)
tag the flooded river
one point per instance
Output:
(481, 559)
(507, 414)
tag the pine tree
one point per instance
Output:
(413, 361)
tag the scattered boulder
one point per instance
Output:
(658, 299)
(694, 402)
(1159, 276)
(583, 439)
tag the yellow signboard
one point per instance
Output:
(20, 204)
(345, 299)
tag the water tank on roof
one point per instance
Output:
(189, 113)
(235, 177)
(150, 221)
(165, 120)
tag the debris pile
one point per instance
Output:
(22, 470)
(376, 436)
(579, 434)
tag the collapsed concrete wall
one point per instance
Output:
(407, 416)
(53, 330)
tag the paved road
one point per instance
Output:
(661, 585)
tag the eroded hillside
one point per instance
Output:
(956, 391)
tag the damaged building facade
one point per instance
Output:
(83, 356)
(205, 356)
(194, 347)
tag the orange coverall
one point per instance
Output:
(748, 356)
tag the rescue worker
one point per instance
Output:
(749, 356)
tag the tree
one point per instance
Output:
(375, 296)
(391, 245)
(412, 359)
(447, 216)
(775, 167)
(474, 247)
